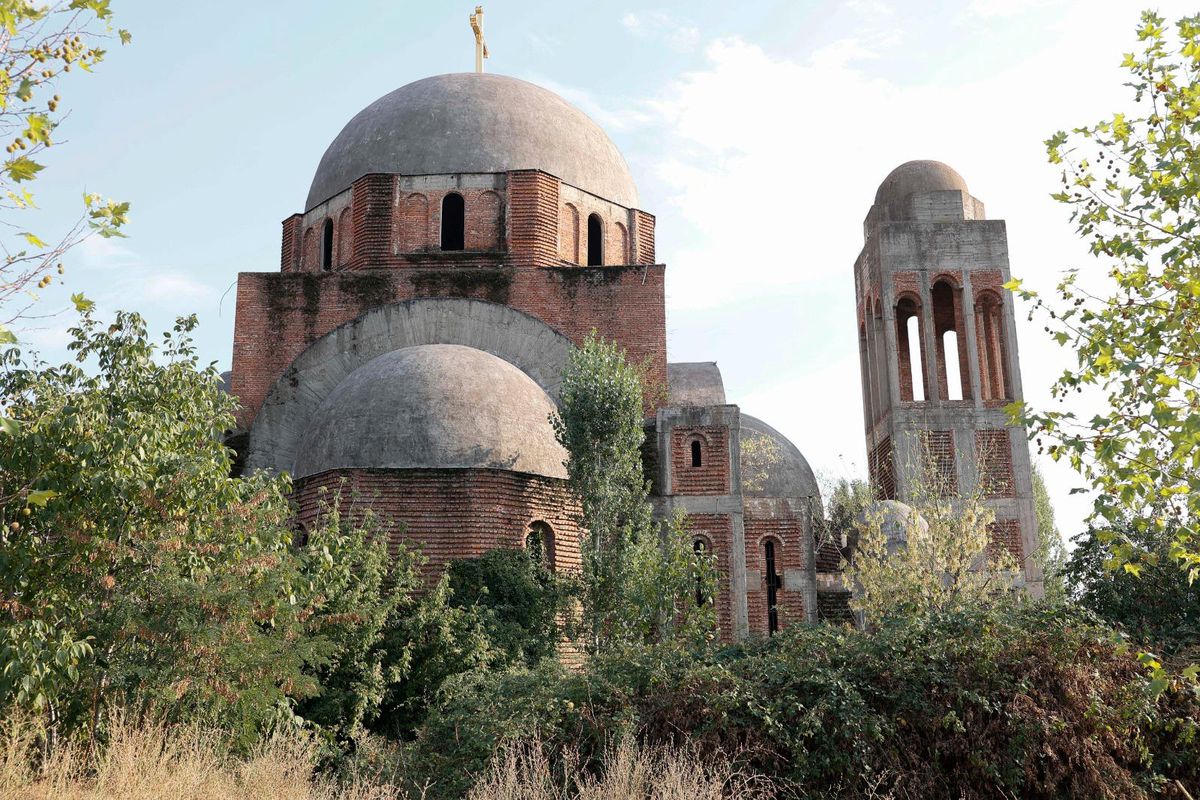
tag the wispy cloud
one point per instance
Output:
(662, 26)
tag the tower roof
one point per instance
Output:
(912, 178)
(472, 122)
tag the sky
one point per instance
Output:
(757, 133)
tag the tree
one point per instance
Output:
(522, 603)
(1050, 555)
(633, 573)
(1130, 184)
(38, 44)
(934, 555)
(135, 571)
(1159, 608)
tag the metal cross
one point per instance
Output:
(481, 51)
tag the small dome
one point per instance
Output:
(894, 518)
(436, 406)
(470, 122)
(790, 476)
(917, 177)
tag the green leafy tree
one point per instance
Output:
(635, 584)
(1051, 554)
(135, 570)
(39, 43)
(1129, 181)
(523, 604)
(1159, 608)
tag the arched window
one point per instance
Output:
(989, 334)
(454, 221)
(327, 245)
(952, 375)
(595, 241)
(910, 350)
(700, 548)
(774, 582)
(539, 544)
(697, 453)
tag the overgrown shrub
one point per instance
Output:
(1030, 702)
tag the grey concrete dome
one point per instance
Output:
(469, 122)
(435, 406)
(895, 520)
(790, 476)
(917, 177)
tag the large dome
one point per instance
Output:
(470, 122)
(435, 406)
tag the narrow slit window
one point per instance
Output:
(453, 221)
(595, 241)
(774, 581)
(697, 454)
(699, 548)
(327, 245)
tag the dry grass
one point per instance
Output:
(628, 773)
(155, 762)
(152, 762)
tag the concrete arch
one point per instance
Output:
(520, 339)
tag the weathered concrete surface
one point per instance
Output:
(790, 476)
(695, 384)
(434, 406)
(468, 122)
(524, 341)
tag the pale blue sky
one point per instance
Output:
(212, 122)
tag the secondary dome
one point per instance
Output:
(789, 476)
(436, 406)
(918, 177)
(471, 122)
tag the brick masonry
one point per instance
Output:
(453, 514)
(716, 531)
(712, 476)
(789, 538)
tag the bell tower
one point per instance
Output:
(938, 350)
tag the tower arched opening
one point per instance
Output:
(454, 220)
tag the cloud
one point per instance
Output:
(663, 27)
(99, 253)
(764, 166)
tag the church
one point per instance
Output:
(464, 232)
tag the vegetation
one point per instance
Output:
(42, 42)
(938, 556)
(1016, 701)
(640, 578)
(1129, 182)
(1159, 608)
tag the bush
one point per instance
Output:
(1031, 702)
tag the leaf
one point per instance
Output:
(126, 36)
(39, 497)
(7, 336)
(82, 304)
(22, 168)
(34, 240)
(8, 426)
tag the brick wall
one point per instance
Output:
(716, 531)
(456, 513)
(788, 535)
(280, 314)
(938, 448)
(712, 476)
(993, 453)
(882, 469)
(1007, 533)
